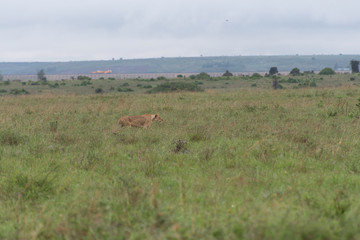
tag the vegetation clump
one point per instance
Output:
(227, 74)
(179, 146)
(295, 72)
(176, 87)
(255, 76)
(83, 78)
(201, 76)
(18, 91)
(327, 71)
(120, 89)
(273, 71)
(354, 66)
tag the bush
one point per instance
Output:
(273, 71)
(55, 85)
(201, 76)
(83, 78)
(227, 74)
(256, 76)
(85, 83)
(295, 72)
(18, 91)
(327, 71)
(124, 89)
(354, 66)
(176, 87)
(99, 90)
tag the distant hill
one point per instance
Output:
(185, 64)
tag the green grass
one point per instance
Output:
(193, 83)
(243, 164)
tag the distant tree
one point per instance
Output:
(227, 74)
(83, 78)
(203, 75)
(1, 77)
(327, 71)
(273, 71)
(295, 72)
(275, 84)
(41, 75)
(354, 66)
(256, 76)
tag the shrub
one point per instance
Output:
(201, 76)
(227, 74)
(256, 76)
(124, 89)
(354, 66)
(85, 83)
(176, 87)
(18, 91)
(179, 146)
(83, 78)
(295, 72)
(273, 71)
(55, 85)
(99, 90)
(289, 80)
(327, 71)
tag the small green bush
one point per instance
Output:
(124, 89)
(85, 83)
(18, 91)
(327, 71)
(99, 90)
(295, 72)
(256, 76)
(176, 87)
(83, 78)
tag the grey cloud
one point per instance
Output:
(76, 30)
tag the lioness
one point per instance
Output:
(142, 121)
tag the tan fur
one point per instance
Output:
(142, 121)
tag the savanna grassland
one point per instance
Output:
(245, 163)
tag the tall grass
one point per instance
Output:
(246, 164)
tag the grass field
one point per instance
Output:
(245, 163)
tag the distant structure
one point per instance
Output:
(102, 72)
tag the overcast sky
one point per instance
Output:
(70, 30)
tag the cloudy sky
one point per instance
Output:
(70, 30)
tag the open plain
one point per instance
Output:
(238, 160)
